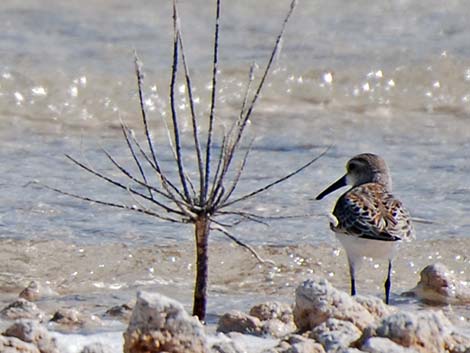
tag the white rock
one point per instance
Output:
(15, 345)
(375, 306)
(425, 332)
(161, 324)
(334, 334)
(96, 348)
(316, 301)
(22, 309)
(272, 310)
(297, 344)
(439, 285)
(237, 321)
(246, 343)
(32, 332)
(228, 346)
(238, 343)
(269, 319)
(71, 319)
(35, 291)
(277, 328)
(384, 345)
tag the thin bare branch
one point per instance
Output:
(229, 151)
(146, 209)
(155, 164)
(277, 181)
(238, 175)
(174, 114)
(268, 67)
(236, 123)
(264, 219)
(250, 216)
(247, 91)
(175, 156)
(166, 183)
(242, 121)
(197, 144)
(220, 161)
(124, 171)
(111, 204)
(140, 78)
(120, 185)
(136, 160)
(228, 148)
(242, 244)
(180, 203)
(213, 100)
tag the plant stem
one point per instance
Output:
(202, 229)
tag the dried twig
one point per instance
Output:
(242, 244)
(174, 116)
(275, 182)
(197, 144)
(215, 184)
(213, 101)
(236, 179)
(155, 164)
(136, 160)
(115, 205)
(182, 201)
(241, 126)
(122, 186)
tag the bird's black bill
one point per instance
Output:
(336, 185)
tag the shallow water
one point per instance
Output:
(390, 78)
(94, 278)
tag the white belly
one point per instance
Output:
(357, 248)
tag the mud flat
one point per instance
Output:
(95, 276)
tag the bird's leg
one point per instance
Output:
(388, 282)
(351, 274)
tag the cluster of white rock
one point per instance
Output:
(322, 320)
(29, 332)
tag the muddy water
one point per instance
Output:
(391, 78)
(94, 278)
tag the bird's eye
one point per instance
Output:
(352, 167)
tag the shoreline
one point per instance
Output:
(87, 292)
(113, 272)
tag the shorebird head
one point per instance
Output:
(361, 169)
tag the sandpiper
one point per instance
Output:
(368, 220)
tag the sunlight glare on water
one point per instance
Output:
(392, 78)
(341, 79)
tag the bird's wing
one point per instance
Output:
(369, 211)
(399, 219)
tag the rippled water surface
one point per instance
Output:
(391, 78)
